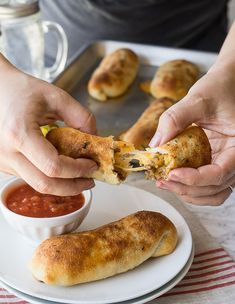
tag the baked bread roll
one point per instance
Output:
(76, 144)
(143, 130)
(190, 148)
(106, 251)
(173, 79)
(116, 159)
(114, 75)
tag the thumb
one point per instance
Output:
(178, 117)
(74, 114)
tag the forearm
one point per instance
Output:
(3, 59)
(228, 48)
(226, 57)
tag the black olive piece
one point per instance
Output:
(85, 145)
(134, 163)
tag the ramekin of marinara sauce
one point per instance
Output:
(39, 216)
(24, 200)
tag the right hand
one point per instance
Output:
(27, 103)
(210, 104)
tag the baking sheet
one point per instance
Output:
(117, 115)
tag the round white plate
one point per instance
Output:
(143, 299)
(110, 203)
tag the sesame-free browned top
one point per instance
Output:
(111, 249)
(114, 74)
(173, 79)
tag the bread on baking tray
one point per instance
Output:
(116, 159)
(173, 79)
(114, 75)
(144, 128)
(106, 251)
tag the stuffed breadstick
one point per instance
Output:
(116, 159)
(143, 130)
(111, 249)
(190, 148)
(74, 143)
(114, 75)
(173, 79)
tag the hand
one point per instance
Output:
(27, 103)
(210, 104)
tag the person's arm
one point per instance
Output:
(210, 103)
(226, 56)
(27, 103)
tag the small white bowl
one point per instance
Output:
(39, 229)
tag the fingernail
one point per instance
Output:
(93, 168)
(155, 141)
(173, 177)
(91, 185)
(161, 185)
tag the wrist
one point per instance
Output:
(9, 72)
(3, 60)
(5, 66)
(224, 64)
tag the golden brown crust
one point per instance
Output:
(114, 75)
(191, 148)
(76, 144)
(111, 249)
(173, 79)
(143, 130)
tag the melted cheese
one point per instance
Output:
(129, 159)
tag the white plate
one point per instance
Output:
(143, 299)
(110, 203)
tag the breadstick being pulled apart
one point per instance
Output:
(190, 148)
(106, 251)
(114, 75)
(116, 159)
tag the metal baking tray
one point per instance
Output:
(117, 115)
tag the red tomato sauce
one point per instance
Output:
(24, 200)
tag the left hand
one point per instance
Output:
(27, 103)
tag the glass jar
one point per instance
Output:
(22, 39)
